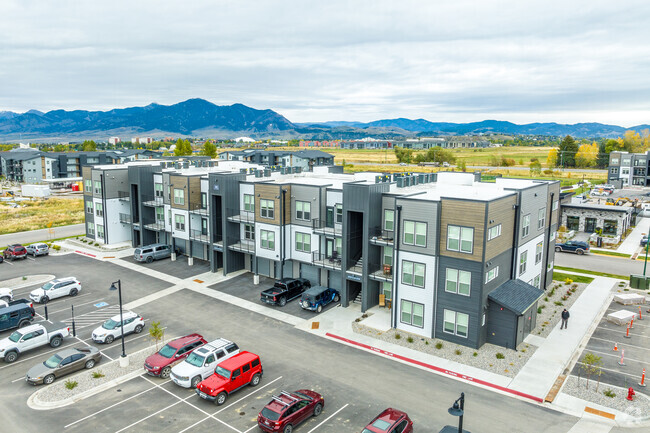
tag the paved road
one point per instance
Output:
(487, 167)
(600, 263)
(42, 235)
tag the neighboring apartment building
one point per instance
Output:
(306, 159)
(629, 169)
(457, 259)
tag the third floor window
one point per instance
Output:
(267, 209)
(303, 210)
(179, 196)
(415, 233)
(460, 239)
(389, 220)
(249, 203)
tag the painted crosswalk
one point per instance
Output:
(94, 317)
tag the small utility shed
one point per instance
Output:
(512, 313)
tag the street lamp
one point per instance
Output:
(457, 409)
(119, 291)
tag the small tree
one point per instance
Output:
(462, 166)
(156, 332)
(591, 365)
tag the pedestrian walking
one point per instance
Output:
(565, 319)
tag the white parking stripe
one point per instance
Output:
(78, 305)
(153, 414)
(328, 418)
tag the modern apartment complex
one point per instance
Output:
(629, 169)
(455, 258)
(306, 159)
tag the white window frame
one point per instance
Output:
(458, 279)
(494, 232)
(491, 274)
(99, 210)
(91, 228)
(267, 208)
(411, 314)
(537, 281)
(249, 203)
(303, 242)
(463, 234)
(303, 210)
(451, 317)
(523, 262)
(100, 231)
(179, 222)
(338, 213)
(412, 228)
(267, 239)
(179, 196)
(90, 208)
(412, 274)
(541, 218)
(525, 226)
(539, 252)
(555, 205)
(389, 223)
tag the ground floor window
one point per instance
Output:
(100, 231)
(456, 323)
(268, 240)
(573, 223)
(609, 227)
(412, 314)
(91, 228)
(537, 280)
(387, 290)
(180, 222)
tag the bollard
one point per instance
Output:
(622, 361)
(46, 313)
(632, 323)
(74, 329)
(627, 333)
(640, 317)
(642, 383)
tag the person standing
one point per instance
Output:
(565, 319)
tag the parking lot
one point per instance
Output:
(177, 268)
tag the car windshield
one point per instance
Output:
(381, 425)
(195, 360)
(269, 414)
(52, 361)
(48, 286)
(167, 351)
(365, 430)
(15, 336)
(110, 324)
(222, 372)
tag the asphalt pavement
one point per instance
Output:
(600, 263)
(42, 235)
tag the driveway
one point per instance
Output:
(178, 268)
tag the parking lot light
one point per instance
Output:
(457, 409)
(119, 292)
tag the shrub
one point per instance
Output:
(539, 310)
(97, 374)
(564, 298)
(71, 384)
(426, 342)
(609, 393)
(24, 278)
(458, 352)
(545, 298)
(56, 247)
(558, 303)
(500, 355)
(523, 350)
(410, 339)
(568, 281)
(439, 345)
(574, 286)
(398, 336)
(475, 354)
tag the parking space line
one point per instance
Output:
(78, 305)
(149, 416)
(328, 418)
(36, 356)
(636, 376)
(622, 343)
(615, 355)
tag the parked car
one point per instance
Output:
(57, 288)
(16, 314)
(31, 337)
(13, 252)
(288, 409)
(2, 259)
(38, 249)
(577, 247)
(285, 290)
(317, 297)
(390, 421)
(644, 241)
(6, 294)
(152, 252)
(61, 363)
(111, 329)
(234, 373)
(161, 363)
(201, 363)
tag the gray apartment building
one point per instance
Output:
(455, 258)
(629, 169)
(305, 159)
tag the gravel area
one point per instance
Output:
(550, 312)
(640, 407)
(85, 380)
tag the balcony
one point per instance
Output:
(322, 227)
(241, 216)
(156, 226)
(243, 247)
(332, 261)
(199, 235)
(152, 201)
(198, 209)
(382, 237)
(125, 218)
(123, 196)
(383, 272)
(217, 242)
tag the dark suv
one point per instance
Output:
(577, 247)
(19, 313)
(13, 252)
(317, 297)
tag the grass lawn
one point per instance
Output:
(584, 271)
(559, 276)
(38, 213)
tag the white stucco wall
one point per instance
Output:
(423, 296)
(114, 230)
(532, 269)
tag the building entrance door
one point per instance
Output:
(590, 225)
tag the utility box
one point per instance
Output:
(35, 190)
(640, 282)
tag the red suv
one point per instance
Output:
(161, 362)
(289, 409)
(390, 421)
(13, 252)
(242, 369)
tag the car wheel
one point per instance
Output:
(558, 249)
(319, 308)
(74, 292)
(90, 363)
(149, 259)
(195, 381)
(283, 301)
(318, 409)
(48, 379)
(45, 300)
(337, 298)
(221, 399)
(165, 372)
(255, 380)
(56, 341)
(288, 429)
(11, 356)
(138, 329)
(23, 323)
(580, 252)
(109, 339)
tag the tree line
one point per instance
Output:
(587, 154)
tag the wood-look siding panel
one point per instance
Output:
(500, 212)
(271, 192)
(179, 182)
(194, 192)
(465, 213)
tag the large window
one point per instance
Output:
(412, 314)
(267, 209)
(415, 233)
(458, 282)
(99, 210)
(267, 240)
(387, 290)
(523, 258)
(460, 239)
(179, 221)
(158, 189)
(100, 231)
(91, 228)
(494, 232)
(88, 185)
(303, 210)
(456, 323)
(89, 207)
(249, 203)
(413, 273)
(303, 242)
(491, 274)
(98, 187)
(160, 215)
(389, 220)
(541, 218)
(539, 252)
(339, 213)
(609, 227)
(249, 232)
(179, 196)
(525, 226)
(555, 205)
(388, 256)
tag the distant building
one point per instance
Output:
(629, 169)
(141, 140)
(114, 140)
(306, 159)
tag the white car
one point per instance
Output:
(57, 288)
(6, 295)
(112, 328)
(202, 361)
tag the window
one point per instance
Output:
(537, 280)
(160, 215)
(204, 200)
(179, 196)
(523, 257)
(525, 226)
(551, 237)
(494, 232)
(415, 233)
(614, 170)
(412, 314)
(413, 273)
(339, 213)
(491, 274)
(245, 368)
(339, 246)
(388, 256)
(387, 290)
(267, 209)
(100, 231)
(98, 187)
(91, 228)
(609, 227)
(389, 220)
(268, 240)
(555, 205)
(88, 186)
(180, 222)
(456, 323)
(458, 281)
(541, 218)
(460, 239)
(249, 203)
(303, 210)
(539, 252)
(303, 242)
(614, 161)
(158, 189)
(99, 210)
(89, 207)
(170, 217)
(249, 232)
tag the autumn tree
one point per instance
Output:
(587, 155)
(404, 155)
(535, 167)
(551, 159)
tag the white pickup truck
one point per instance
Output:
(30, 337)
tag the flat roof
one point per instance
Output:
(612, 208)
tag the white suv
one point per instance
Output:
(111, 329)
(56, 289)
(6, 295)
(200, 364)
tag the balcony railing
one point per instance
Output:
(157, 226)
(243, 246)
(378, 236)
(152, 201)
(123, 196)
(381, 272)
(241, 216)
(331, 261)
(199, 235)
(125, 218)
(217, 241)
(322, 227)
(198, 209)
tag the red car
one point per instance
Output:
(13, 252)
(289, 409)
(390, 421)
(232, 374)
(161, 362)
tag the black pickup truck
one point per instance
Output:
(285, 290)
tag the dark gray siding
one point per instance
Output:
(531, 200)
(504, 262)
(501, 326)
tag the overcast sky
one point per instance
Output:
(523, 61)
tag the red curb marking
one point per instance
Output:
(86, 254)
(438, 369)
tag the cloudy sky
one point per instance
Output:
(523, 61)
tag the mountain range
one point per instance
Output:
(198, 117)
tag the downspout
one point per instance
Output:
(393, 317)
(282, 203)
(515, 244)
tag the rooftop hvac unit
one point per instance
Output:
(258, 173)
(267, 172)
(400, 182)
(243, 170)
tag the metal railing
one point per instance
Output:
(125, 218)
(381, 272)
(152, 201)
(240, 216)
(320, 226)
(243, 246)
(199, 209)
(157, 225)
(331, 261)
(199, 235)
(217, 240)
(379, 236)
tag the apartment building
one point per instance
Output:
(454, 258)
(631, 169)
(27, 166)
(306, 159)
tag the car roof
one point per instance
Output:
(58, 280)
(126, 315)
(316, 290)
(151, 246)
(12, 308)
(182, 341)
(67, 352)
(213, 346)
(390, 415)
(278, 407)
(237, 360)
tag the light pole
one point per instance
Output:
(457, 409)
(645, 264)
(119, 293)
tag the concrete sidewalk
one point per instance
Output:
(631, 244)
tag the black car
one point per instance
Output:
(285, 290)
